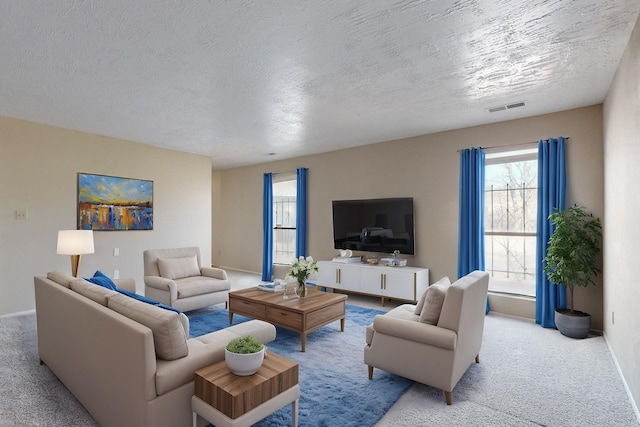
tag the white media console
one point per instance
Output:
(399, 283)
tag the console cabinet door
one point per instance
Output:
(372, 281)
(339, 276)
(401, 284)
(394, 282)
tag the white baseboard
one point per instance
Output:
(624, 382)
(20, 313)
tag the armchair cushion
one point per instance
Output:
(443, 281)
(178, 268)
(200, 285)
(433, 301)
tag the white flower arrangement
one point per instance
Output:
(302, 268)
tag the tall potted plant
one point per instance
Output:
(571, 261)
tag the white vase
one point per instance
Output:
(244, 364)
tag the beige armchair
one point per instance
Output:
(435, 354)
(175, 277)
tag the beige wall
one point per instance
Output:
(622, 204)
(38, 172)
(425, 168)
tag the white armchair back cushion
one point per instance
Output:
(434, 299)
(151, 257)
(444, 280)
(178, 268)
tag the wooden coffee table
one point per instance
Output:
(301, 315)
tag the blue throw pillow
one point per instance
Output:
(147, 300)
(99, 278)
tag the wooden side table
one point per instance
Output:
(226, 399)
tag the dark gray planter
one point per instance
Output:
(576, 325)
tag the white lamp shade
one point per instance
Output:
(75, 242)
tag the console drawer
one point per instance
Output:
(285, 318)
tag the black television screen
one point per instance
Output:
(374, 225)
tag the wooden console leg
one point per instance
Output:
(448, 397)
(370, 372)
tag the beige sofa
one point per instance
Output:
(436, 343)
(176, 277)
(129, 363)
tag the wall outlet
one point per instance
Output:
(22, 214)
(116, 274)
(116, 251)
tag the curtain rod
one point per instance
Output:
(513, 145)
(286, 173)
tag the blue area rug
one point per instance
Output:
(334, 386)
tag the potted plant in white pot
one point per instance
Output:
(571, 261)
(244, 355)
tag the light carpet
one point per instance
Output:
(334, 386)
(527, 376)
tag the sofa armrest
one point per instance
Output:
(415, 331)
(216, 273)
(127, 284)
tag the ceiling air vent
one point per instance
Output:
(506, 107)
(516, 105)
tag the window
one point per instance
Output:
(511, 199)
(284, 219)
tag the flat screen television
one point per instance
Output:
(374, 225)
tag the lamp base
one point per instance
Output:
(75, 263)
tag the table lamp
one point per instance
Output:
(75, 243)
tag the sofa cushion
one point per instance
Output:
(433, 304)
(443, 281)
(100, 279)
(92, 291)
(168, 333)
(200, 285)
(61, 278)
(178, 268)
(147, 300)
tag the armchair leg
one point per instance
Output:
(477, 358)
(370, 372)
(448, 397)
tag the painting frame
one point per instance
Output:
(113, 203)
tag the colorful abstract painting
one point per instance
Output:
(107, 203)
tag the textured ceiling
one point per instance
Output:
(240, 80)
